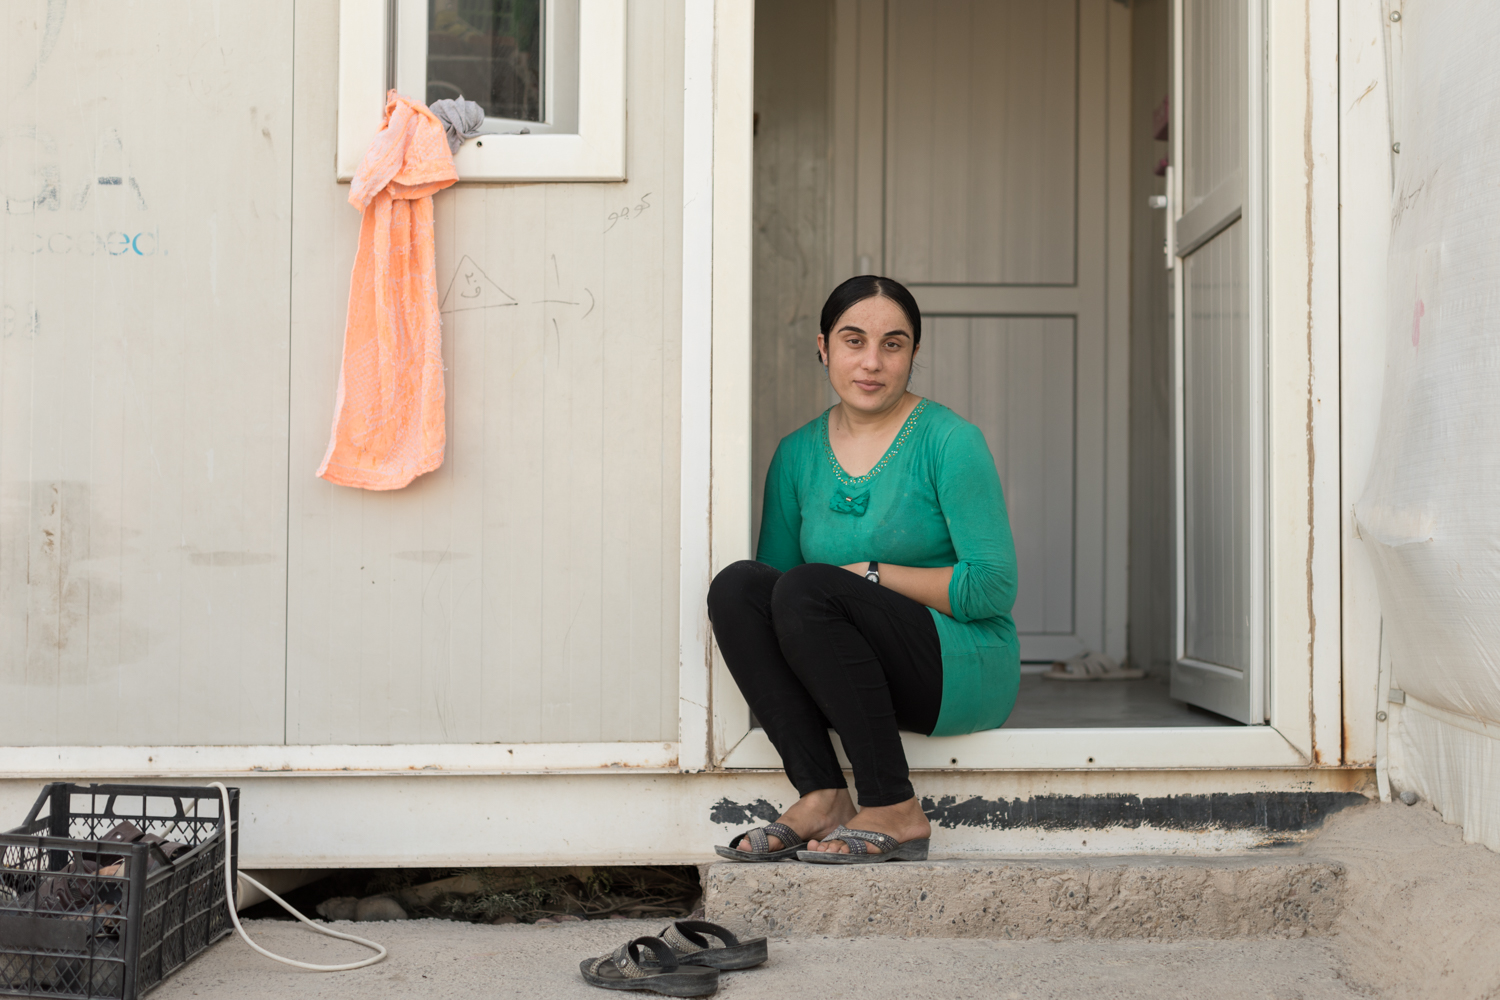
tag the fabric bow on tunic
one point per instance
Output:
(388, 418)
(856, 505)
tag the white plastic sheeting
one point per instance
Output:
(1431, 510)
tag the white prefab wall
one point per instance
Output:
(175, 274)
(177, 254)
(1430, 513)
(146, 228)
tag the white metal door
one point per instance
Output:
(1220, 358)
(972, 163)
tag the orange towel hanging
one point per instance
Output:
(388, 425)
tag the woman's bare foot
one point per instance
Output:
(904, 821)
(816, 814)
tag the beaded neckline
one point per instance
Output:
(890, 453)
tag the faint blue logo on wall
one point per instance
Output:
(34, 184)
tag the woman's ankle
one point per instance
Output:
(904, 815)
(822, 808)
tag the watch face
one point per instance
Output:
(873, 577)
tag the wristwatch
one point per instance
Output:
(873, 573)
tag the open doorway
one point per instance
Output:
(999, 158)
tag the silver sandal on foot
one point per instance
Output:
(891, 849)
(760, 844)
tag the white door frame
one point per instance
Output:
(1302, 308)
(1303, 533)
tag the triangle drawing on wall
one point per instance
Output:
(471, 288)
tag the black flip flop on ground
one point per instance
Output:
(760, 845)
(890, 849)
(688, 940)
(625, 970)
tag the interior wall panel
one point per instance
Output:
(1013, 377)
(977, 158)
(793, 214)
(981, 182)
(1152, 534)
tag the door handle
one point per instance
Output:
(1169, 243)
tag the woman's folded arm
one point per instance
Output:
(780, 541)
(983, 584)
(925, 585)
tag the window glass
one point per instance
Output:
(487, 51)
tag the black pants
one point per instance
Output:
(819, 647)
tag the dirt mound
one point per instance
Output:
(1421, 913)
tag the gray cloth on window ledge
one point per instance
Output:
(461, 120)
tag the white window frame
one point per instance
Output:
(559, 48)
(588, 145)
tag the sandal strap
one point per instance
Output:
(680, 943)
(856, 840)
(759, 837)
(626, 958)
(688, 936)
(787, 836)
(739, 838)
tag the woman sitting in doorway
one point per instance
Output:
(880, 596)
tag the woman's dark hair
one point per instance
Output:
(867, 286)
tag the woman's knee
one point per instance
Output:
(738, 582)
(806, 586)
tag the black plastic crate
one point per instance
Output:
(83, 915)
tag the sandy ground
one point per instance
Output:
(439, 959)
(1421, 915)
(1422, 919)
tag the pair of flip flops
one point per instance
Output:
(859, 842)
(683, 961)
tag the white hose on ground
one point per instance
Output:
(235, 917)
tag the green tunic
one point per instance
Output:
(933, 500)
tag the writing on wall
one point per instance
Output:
(36, 182)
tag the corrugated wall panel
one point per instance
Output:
(176, 273)
(145, 163)
(527, 590)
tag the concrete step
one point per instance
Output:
(1266, 894)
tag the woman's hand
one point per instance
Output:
(925, 585)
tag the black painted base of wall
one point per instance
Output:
(1271, 811)
(1275, 811)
